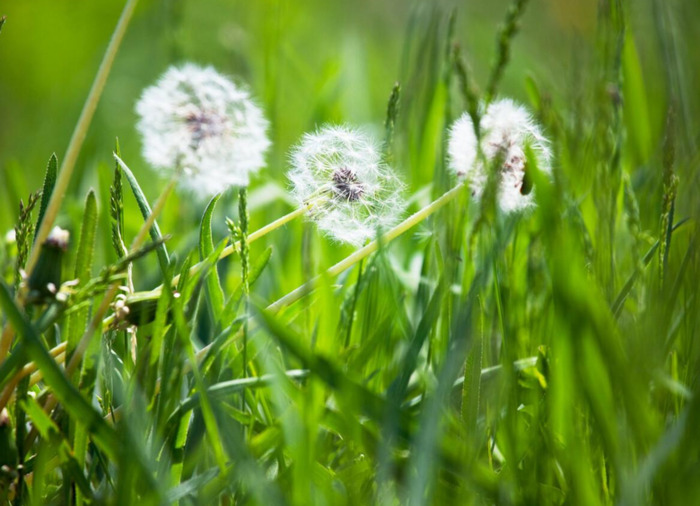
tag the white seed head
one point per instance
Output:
(196, 121)
(58, 238)
(506, 130)
(341, 172)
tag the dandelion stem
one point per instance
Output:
(370, 248)
(279, 222)
(80, 132)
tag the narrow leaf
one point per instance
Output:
(145, 209)
(206, 246)
(49, 183)
(83, 265)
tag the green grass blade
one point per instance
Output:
(619, 302)
(145, 209)
(206, 247)
(83, 266)
(66, 393)
(47, 190)
(52, 434)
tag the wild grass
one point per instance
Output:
(464, 357)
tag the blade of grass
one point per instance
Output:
(206, 246)
(47, 190)
(81, 128)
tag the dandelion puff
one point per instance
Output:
(339, 171)
(198, 124)
(506, 130)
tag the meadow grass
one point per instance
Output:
(228, 353)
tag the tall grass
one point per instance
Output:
(464, 357)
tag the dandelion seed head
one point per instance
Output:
(506, 130)
(196, 121)
(355, 194)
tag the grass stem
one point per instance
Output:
(80, 131)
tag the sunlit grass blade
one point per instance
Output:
(206, 246)
(145, 208)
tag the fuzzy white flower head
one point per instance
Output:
(506, 130)
(340, 171)
(196, 121)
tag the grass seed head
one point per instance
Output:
(199, 122)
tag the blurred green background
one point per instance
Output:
(316, 61)
(307, 62)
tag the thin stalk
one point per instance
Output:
(353, 305)
(505, 37)
(244, 253)
(68, 164)
(81, 128)
(279, 222)
(370, 248)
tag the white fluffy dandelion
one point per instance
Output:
(196, 122)
(354, 194)
(506, 130)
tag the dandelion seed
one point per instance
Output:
(354, 193)
(506, 129)
(197, 122)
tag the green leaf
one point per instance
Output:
(627, 288)
(397, 391)
(206, 246)
(83, 265)
(49, 183)
(145, 209)
(471, 390)
(66, 393)
(224, 389)
(371, 403)
(17, 359)
(51, 433)
(116, 209)
(636, 105)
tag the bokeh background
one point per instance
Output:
(309, 62)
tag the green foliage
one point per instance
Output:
(47, 190)
(467, 357)
(24, 232)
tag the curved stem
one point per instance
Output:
(244, 253)
(76, 142)
(261, 232)
(80, 131)
(367, 250)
